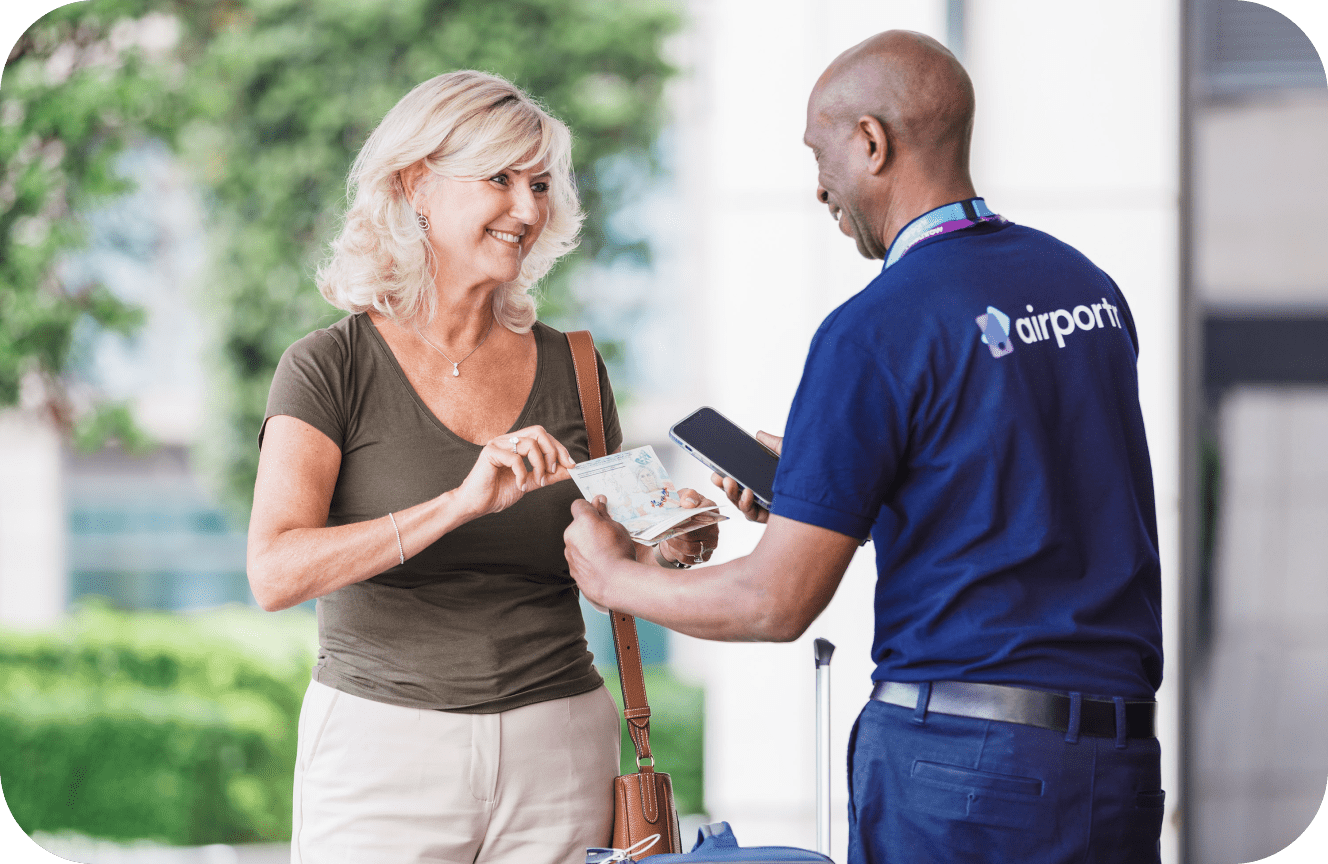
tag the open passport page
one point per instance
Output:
(641, 496)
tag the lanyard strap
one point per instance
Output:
(942, 220)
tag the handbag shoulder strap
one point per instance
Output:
(587, 387)
(631, 674)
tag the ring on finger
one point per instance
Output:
(700, 556)
(514, 440)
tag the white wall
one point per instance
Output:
(1071, 137)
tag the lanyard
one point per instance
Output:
(942, 220)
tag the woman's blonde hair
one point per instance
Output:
(466, 126)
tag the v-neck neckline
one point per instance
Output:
(519, 423)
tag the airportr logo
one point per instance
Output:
(995, 326)
(1062, 323)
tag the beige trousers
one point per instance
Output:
(381, 783)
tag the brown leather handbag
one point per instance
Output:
(642, 802)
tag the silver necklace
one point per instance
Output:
(456, 364)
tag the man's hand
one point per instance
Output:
(742, 498)
(595, 545)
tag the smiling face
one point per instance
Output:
(837, 186)
(842, 170)
(482, 230)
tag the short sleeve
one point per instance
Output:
(310, 385)
(613, 436)
(1127, 318)
(844, 440)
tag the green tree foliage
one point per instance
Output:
(76, 89)
(270, 100)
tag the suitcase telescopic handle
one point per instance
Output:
(824, 649)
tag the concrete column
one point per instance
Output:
(32, 530)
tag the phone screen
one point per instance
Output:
(724, 447)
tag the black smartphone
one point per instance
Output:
(728, 450)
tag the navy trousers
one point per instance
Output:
(926, 787)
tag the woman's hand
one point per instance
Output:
(742, 498)
(694, 547)
(500, 476)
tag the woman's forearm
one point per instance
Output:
(300, 564)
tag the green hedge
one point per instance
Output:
(182, 728)
(179, 729)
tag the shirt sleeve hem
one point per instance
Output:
(821, 516)
(298, 413)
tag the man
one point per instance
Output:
(976, 410)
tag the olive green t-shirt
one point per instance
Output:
(487, 618)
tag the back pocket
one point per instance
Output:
(978, 797)
(1144, 829)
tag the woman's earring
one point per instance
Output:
(423, 222)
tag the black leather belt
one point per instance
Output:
(1097, 717)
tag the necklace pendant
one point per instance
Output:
(456, 373)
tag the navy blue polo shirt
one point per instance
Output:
(976, 409)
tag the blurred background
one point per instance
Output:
(170, 174)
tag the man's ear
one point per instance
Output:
(875, 142)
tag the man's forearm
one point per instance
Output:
(721, 602)
(771, 595)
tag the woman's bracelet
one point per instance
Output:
(664, 562)
(401, 550)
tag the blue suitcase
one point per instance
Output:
(716, 844)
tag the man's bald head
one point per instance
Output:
(912, 84)
(890, 123)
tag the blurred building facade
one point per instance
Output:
(1257, 688)
(143, 533)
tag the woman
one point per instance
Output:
(454, 712)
